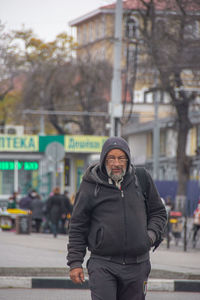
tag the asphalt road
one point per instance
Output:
(61, 294)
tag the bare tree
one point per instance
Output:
(91, 91)
(169, 43)
(79, 87)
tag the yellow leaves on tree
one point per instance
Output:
(36, 49)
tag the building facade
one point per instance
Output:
(95, 32)
(140, 138)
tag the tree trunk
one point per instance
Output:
(87, 126)
(183, 161)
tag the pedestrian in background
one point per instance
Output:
(196, 223)
(25, 202)
(12, 200)
(67, 202)
(36, 207)
(169, 204)
(68, 210)
(55, 210)
(117, 223)
(12, 204)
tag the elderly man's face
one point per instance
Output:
(116, 163)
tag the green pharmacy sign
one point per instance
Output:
(25, 165)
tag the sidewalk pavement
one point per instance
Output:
(39, 261)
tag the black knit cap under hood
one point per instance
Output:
(114, 143)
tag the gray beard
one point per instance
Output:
(115, 177)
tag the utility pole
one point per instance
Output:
(42, 127)
(156, 131)
(116, 89)
(156, 137)
(16, 176)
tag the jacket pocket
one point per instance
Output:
(99, 238)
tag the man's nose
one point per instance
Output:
(116, 162)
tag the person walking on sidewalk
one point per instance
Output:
(68, 210)
(25, 202)
(36, 207)
(196, 223)
(117, 223)
(55, 210)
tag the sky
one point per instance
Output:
(46, 18)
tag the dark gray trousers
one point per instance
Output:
(112, 281)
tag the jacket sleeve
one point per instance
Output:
(156, 212)
(78, 228)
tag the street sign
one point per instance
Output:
(55, 151)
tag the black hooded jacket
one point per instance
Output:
(113, 222)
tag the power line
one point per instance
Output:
(65, 113)
(75, 113)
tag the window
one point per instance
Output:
(79, 40)
(90, 32)
(149, 145)
(148, 97)
(191, 30)
(162, 97)
(25, 180)
(162, 142)
(27, 175)
(132, 28)
(103, 27)
(84, 36)
(97, 29)
(138, 97)
(6, 182)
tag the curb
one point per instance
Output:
(64, 272)
(65, 283)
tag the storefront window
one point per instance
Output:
(25, 181)
(6, 182)
(25, 177)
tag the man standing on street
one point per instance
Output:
(117, 223)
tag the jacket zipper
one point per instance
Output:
(125, 234)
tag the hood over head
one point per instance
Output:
(114, 143)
